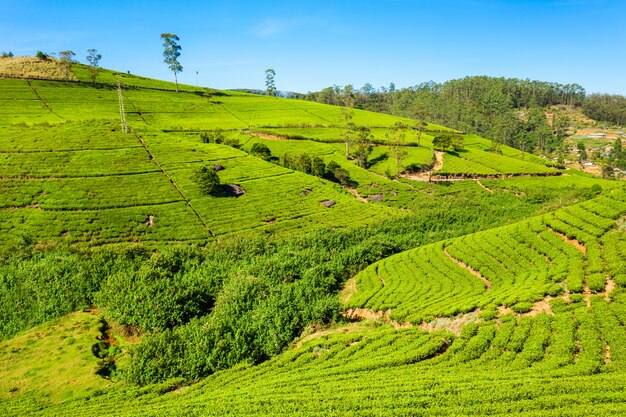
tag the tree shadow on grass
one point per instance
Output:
(380, 158)
(228, 190)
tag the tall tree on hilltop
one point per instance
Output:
(270, 84)
(171, 52)
(93, 57)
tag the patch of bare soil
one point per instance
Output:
(607, 354)
(585, 132)
(541, 307)
(366, 314)
(451, 324)
(438, 160)
(610, 286)
(469, 269)
(268, 136)
(504, 310)
(573, 242)
(594, 170)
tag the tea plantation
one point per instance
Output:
(306, 282)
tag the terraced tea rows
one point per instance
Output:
(571, 363)
(513, 266)
(63, 182)
(526, 319)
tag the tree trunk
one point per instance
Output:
(397, 167)
(176, 81)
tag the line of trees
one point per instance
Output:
(508, 110)
(606, 107)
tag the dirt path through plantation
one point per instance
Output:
(426, 175)
(438, 161)
(468, 268)
(358, 196)
(484, 186)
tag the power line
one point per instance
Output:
(121, 101)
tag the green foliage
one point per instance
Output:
(270, 84)
(482, 105)
(606, 107)
(165, 291)
(262, 151)
(171, 52)
(208, 180)
(363, 140)
(36, 286)
(396, 136)
(93, 57)
(214, 136)
(337, 173)
(517, 278)
(267, 270)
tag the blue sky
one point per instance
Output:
(314, 44)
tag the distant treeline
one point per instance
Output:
(606, 107)
(497, 108)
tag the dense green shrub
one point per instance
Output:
(41, 285)
(165, 291)
(262, 151)
(208, 180)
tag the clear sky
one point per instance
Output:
(314, 44)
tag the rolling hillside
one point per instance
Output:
(480, 284)
(64, 158)
(448, 343)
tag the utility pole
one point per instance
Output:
(121, 101)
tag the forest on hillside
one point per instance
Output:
(509, 111)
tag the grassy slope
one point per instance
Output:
(75, 165)
(72, 191)
(568, 362)
(52, 362)
(58, 180)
